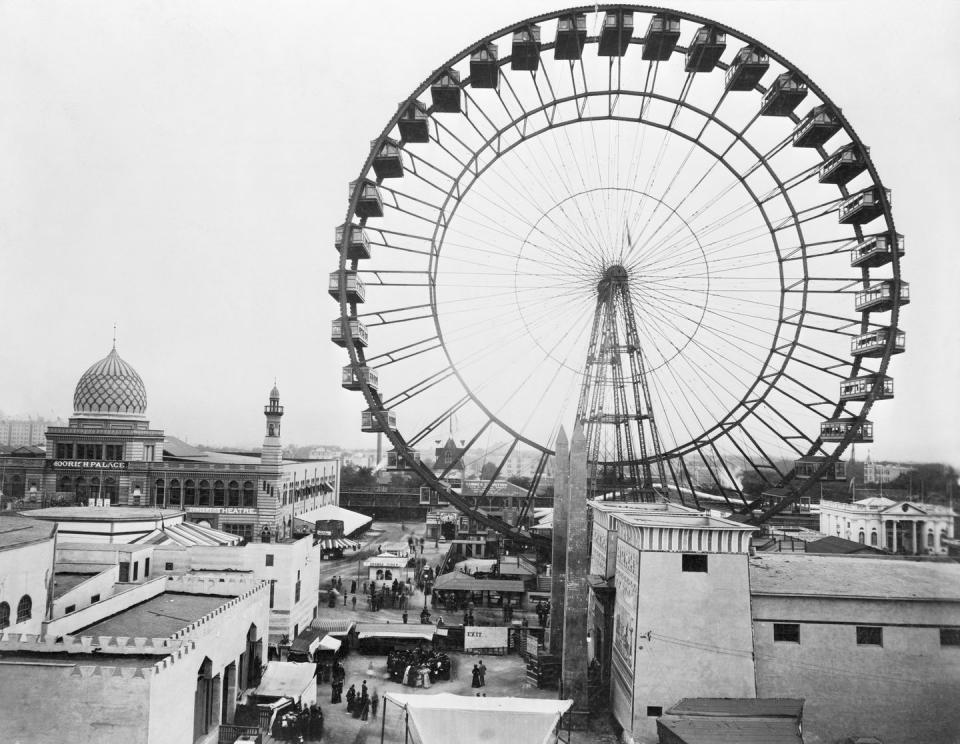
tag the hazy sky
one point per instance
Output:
(178, 168)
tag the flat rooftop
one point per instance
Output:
(64, 581)
(102, 513)
(849, 577)
(159, 617)
(17, 531)
(91, 659)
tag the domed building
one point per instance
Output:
(108, 454)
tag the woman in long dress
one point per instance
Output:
(476, 676)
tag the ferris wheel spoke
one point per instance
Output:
(418, 388)
(404, 352)
(396, 315)
(440, 420)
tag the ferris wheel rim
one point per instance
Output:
(357, 355)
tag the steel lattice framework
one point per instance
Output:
(613, 339)
(763, 292)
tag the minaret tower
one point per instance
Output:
(272, 452)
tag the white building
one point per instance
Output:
(882, 472)
(897, 526)
(26, 573)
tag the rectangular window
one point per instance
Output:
(94, 599)
(149, 452)
(136, 568)
(146, 567)
(168, 566)
(269, 559)
(70, 608)
(868, 635)
(124, 572)
(64, 451)
(694, 563)
(654, 710)
(950, 636)
(272, 585)
(786, 632)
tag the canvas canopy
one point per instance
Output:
(288, 679)
(329, 643)
(352, 521)
(489, 720)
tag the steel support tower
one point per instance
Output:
(623, 446)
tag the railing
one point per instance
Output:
(230, 732)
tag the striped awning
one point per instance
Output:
(338, 543)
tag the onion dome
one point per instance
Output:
(111, 386)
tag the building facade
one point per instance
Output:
(109, 454)
(895, 526)
(871, 643)
(26, 573)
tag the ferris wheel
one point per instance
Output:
(632, 217)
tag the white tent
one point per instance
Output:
(480, 720)
(288, 679)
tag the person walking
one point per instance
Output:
(404, 617)
(476, 677)
(353, 586)
(353, 601)
(374, 703)
(351, 698)
(483, 673)
(344, 599)
(364, 708)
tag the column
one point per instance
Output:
(558, 583)
(893, 536)
(577, 596)
(913, 522)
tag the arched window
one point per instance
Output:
(4, 615)
(204, 493)
(861, 538)
(95, 491)
(24, 609)
(175, 492)
(189, 492)
(66, 484)
(158, 492)
(379, 574)
(873, 538)
(249, 494)
(110, 490)
(218, 493)
(387, 575)
(233, 490)
(80, 489)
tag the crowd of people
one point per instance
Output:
(418, 667)
(300, 723)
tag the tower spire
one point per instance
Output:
(272, 452)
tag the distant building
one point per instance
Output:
(896, 526)
(108, 453)
(883, 472)
(24, 432)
